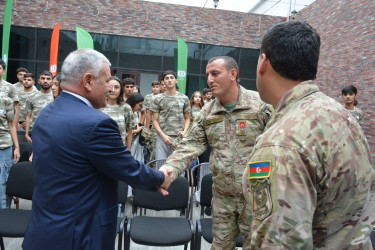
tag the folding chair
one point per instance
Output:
(121, 218)
(161, 231)
(157, 163)
(204, 225)
(20, 184)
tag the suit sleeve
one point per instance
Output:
(109, 155)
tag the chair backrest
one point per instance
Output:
(21, 135)
(122, 192)
(25, 151)
(206, 190)
(157, 163)
(177, 199)
(20, 181)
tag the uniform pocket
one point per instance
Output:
(260, 196)
(248, 127)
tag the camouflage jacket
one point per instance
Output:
(357, 114)
(6, 115)
(309, 181)
(171, 111)
(123, 116)
(35, 104)
(231, 137)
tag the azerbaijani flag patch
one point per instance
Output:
(242, 128)
(259, 169)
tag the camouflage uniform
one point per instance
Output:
(149, 134)
(123, 116)
(19, 87)
(320, 188)
(6, 114)
(171, 110)
(357, 114)
(23, 96)
(231, 137)
(35, 104)
(194, 113)
(7, 89)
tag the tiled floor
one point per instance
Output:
(15, 243)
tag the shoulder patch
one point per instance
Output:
(213, 120)
(259, 169)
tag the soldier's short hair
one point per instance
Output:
(22, 70)
(293, 50)
(45, 73)
(230, 63)
(349, 90)
(128, 81)
(206, 90)
(29, 75)
(169, 72)
(154, 83)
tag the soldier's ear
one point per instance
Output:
(262, 64)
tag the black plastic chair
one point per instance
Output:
(21, 135)
(161, 231)
(204, 225)
(121, 218)
(20, 184)
(372, 237)
(26, 150)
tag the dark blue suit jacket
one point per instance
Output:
(78, 157)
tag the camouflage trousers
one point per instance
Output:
(230, 216)
(150, 138)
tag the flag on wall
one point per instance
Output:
(54, 49)
(6, 32)
(182, 65)
(84, 39)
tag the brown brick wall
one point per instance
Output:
(145, 19)
(347, 56)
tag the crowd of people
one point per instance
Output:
(291, 167)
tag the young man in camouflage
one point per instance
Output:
(8, 137)
(20, 76)
(7, 89)
(171, 117)
(28, 90)
(229, 124)
(128, 87)
(149, 133)
(38, 101)
(349, 95)
(309, 181)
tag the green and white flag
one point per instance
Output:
(6, 32)
(182, 65)
(84, 39)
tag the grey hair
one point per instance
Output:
(80, 62)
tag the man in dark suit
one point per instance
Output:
(78, 158)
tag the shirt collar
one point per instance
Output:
(79, 97)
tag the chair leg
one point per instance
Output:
(127, 236)
(2, 243)
(16, 202)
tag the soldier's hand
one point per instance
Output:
(168, 179)
(28, 138)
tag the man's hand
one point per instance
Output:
(28, 138)
(16, 154)
(167, 140)
(168, 179)
(181, 133)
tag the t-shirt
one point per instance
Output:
(123, 116)
(6, 114)
(7, 89)
(23, 96)
(171, 111)
(35, 104)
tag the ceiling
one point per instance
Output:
(265, 7)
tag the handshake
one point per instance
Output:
(168, 179)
